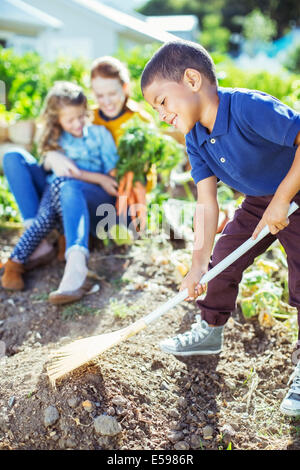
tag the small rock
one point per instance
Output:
(104, 442)
(228, 433)
(280, 394)
(118, 400)
(229, 383)
(164, 386)
(188, 386)
(107, 425)
(4, 423)
(120, 410)
(51, 415)
(174, 413)
(88, 406)
(207, 432)
(182, 402)
(11, 401)
(71, 443)
(111, 411)
(175, 436)
(73, 402)
(67, 443)
(181, 445)
(195, 441)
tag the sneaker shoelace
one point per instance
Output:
(295, 379)
(198, 331)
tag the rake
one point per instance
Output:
(82, 351)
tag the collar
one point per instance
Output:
(70, 137)
(222, 119)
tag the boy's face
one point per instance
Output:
(176, 103)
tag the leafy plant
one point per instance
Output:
(292, 61)
(263, 291)
(9, 211)
(143, 145)
(28, 79)
(78, 310)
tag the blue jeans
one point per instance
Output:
(80, 203)
(26, 180)
(78, 200)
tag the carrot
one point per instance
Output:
(121, 188)
(140, 196)
(123, 203)
(129, 182)
(132, 202)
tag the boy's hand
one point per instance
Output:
(191, 282)
(275, 216)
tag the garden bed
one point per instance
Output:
(153, 400)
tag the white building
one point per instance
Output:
(183, 26)
(87, 28)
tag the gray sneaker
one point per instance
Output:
(290, 405)
(201, 339)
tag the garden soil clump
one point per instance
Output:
(134, 396)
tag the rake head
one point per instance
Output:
(80, 352)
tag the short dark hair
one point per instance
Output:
(173, 58)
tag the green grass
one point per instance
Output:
(78, 310)
(120, 310)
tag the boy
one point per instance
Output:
(250, 141)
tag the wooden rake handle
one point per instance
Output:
(241, 250)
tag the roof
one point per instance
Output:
(19, 12)
(174, 22)
(135, 23)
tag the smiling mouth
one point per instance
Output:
(174, 121)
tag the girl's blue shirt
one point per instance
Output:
(95, 151)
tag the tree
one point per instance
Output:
(213, 36)
(258, 30)
(285, 13)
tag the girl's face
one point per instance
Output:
(72, 119)
(110, 95)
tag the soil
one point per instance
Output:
(228, 401)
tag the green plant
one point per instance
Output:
(292, 61)
(9, 211)
(284, 86)
(214, 36)
(78, 310)
(28, 79)
(120, 309)
(258, 30)
(143, 145)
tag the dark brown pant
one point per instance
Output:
(222, 291)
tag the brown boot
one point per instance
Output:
(12, 278)
(61, 248)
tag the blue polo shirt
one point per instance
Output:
(251, 147)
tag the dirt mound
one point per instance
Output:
(134, 396)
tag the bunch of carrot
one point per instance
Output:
(132, 194)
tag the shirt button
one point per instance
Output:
(212, 141)
(222, 160)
